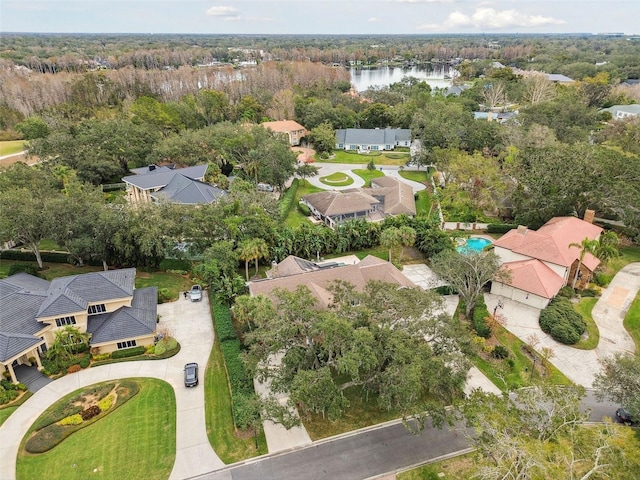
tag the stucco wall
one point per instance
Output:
(518, 295)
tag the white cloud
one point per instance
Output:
(373, 19)
(230, 13)
(485, 18)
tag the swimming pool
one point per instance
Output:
(474, 244)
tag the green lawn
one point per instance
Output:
(421, 176)
(5, 413)
(386, 158)
(367, 175)
(337, 179)
(516, 373)
(462, 466)
(174, 283)
(627, 255)
(47, 244)
(632, 321)
(220, 428)
(584, 308)
(12, 146)
(295, 218)
(137, 440)
(423, 203)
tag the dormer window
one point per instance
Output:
(62, 321)
(95, 309)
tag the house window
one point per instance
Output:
(353, 147)
(387, 147)
(375, 147)
(62, 321)
(93, 309)
(341, 146)
(127, 344)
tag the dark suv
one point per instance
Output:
(623, 416)
(191, 375)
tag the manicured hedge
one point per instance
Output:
(286, 201)
(30, 256)
(500, 227)
(128, 352)
(480, 314)
(240, 382)
(304, 210)
(562, 322)
(224, 326)
(29, 268)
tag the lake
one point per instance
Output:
(364, 78)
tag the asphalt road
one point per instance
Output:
(358, 456)
(368, 454)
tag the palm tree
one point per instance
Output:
(252, 249)
(586, 245)
(407, 237)
(391, 238)
(607, 246)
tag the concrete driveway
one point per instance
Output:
(326, 169)
(580, 366)
(191, 325)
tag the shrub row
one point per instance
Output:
(240, 381)
(286, 202)
(165, 345)
(500, 227)
(29, 268)
(30, 257)
(224, 325)
(480, 314)
(562, 322)
(128, 352)
(304, 210)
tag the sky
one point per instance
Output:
(346, 17)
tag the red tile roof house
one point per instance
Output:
(294, 131)
(542, 262)
(104, 304)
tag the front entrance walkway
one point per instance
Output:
(33, 378)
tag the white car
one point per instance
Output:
(195, 294)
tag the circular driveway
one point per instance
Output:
(190, 323)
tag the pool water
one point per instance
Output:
(474, 244)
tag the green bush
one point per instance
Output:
(106, 403)
(84, 361)
(324, 155)
(47, 438)
(500, 227)
(567, 292)
(29, 268)
(304, 210)
(101, 356)
(500, 352)
(50, 257)
(602, 280)
(7, 396)
(164, 295)
(562, 322)
(286, 201)
(165, 345)
(128, 352)
(480, 314)
(223, 324)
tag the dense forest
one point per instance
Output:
(134, 100)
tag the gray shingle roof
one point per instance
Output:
(126, 322)
(161, 177)
(72, 294)
(372, 136)
(12, 344)
(184, 190)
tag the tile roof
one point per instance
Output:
(331, 202)
(185, 190)
(551, 241)
(126, 322)
(534, 276)
(72, 294)
(372, 136)
(371, 268)
(163, 175)
(283, 126)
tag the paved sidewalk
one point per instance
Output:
(191, 324)
(580, 366)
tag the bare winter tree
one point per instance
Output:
(537, 88)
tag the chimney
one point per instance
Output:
(589, 215)
(274, 269)
(522, 229)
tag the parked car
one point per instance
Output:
(623, 416)
(195, 294)
(265, 187)
(191, 375)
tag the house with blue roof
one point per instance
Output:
(104, 304)
(167, 183)
(372, 139)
